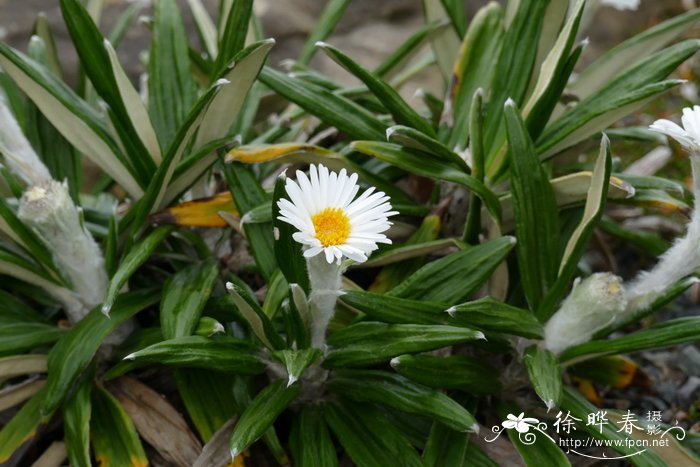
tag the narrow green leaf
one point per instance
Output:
(184, 296)
(492, 315)
(20, 337)
(234, 33)
(208, 398)
(545, 375)
(453, 372)
(261, 414)
(334, 110)
(409, 48)
(172, 90)
(623, 95)
(388, 96)
(474, 69)
(13, 309)
(575, 247)
(248, 193)
(391, 309)
(23, 427)
(76, 425)
(95, 61)
(114, 437)
(72, 116)
(415, 139)
(257, 319)
(445, 45)
(400, 393)
(221, 354)
(74, 352)
(370, 343)
(133, 260)
(296, 361)
(428, 167)
(310, 441)
(673, 332)
(323, 27)
(445, 446)
(368, 438)
(205, 28)
(455, 277)
(614, 61)
(535, 211)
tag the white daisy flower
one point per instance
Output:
(330, 219)
(689, 135)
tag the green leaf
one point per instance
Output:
(72, 116)
(261, 414)
(445, 45)
(114, 437)
(76, 425)
(222, 354)
(455, 277)
(623, 95)
(296, 361)
(445, 446)
(535, 211)
(184, 296)
(492, 315)
(429, 167)
(287, 250)
(208, 398)
(576, 246)
(206, 29)
(257, 319)
(614, 61)
(370, 343)
(248, 193)
(619, 441)
(133, 260)
(234, 33)
(368, 438)
(545, 375)
(310, 440)
(395, 391)
(95, 61)
(514, 69)
(409, 48)
(235, 84)
(20, 337)
(673, 332)
(415, 139)
(388, 96)
(23, 427)
(452, 372)
(172, 90)
(74, 352)
(323, 27)
(391, 309)
(401, 253)
(331, 108)
(13, 309)
(475, 68)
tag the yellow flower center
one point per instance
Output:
(332, 226)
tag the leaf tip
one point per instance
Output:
(390, 131)
(474, 428)
(394, 362)
(292, 379)
(510, 103)
(221, 82)
(322, 44)
(550, 404)
(229, 286)
(106, 308)
(234, 453)
(451, 311)
(479, 335)
(131, 356)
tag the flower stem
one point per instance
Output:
(325, 279)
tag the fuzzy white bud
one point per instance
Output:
(50, 212)
(592, 304)
(18, 154)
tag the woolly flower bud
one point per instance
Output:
(592, 304)
(50, 212)
(18, 154)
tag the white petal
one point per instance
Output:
(669, 128)
(329, 255)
